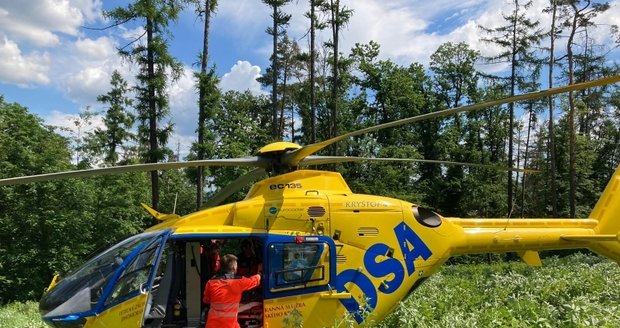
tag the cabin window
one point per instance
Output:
(294, 265)
(136, 275)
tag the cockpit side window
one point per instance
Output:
(136, 274)
(298, 265)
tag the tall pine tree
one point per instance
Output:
(208, 97)
(578, 17)
(280, 20)
(517, 40)
(157, 67)
(338, 18)
(118, 120)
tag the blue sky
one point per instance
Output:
(55, 67)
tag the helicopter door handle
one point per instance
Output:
(335, 295)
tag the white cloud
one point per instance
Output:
(86, 70)
(407, 30)
(86, 84)
(441, 8)
(602, 34)
(90, 9)
(21, 30)
(184, 100)
(38, 21)
(99, 49)
(242, 77)
(72, 125)
(395, 27)
(131, 34)
(399, 26)
(80, 68)
(410, 31)
(17, 68)
(183, 92)
(243, 17)
(184, 103)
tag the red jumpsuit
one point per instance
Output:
(223, 293)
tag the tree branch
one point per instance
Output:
(109, 26)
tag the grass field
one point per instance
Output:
(21, 315)
(574, 291)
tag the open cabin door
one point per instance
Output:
(300, 271)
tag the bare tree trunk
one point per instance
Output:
(335, 8)
(283, 104)
(571, 116)
(201, 111)
(292, 124)
(274, 75)
(525, 157)
(552, 155)
(312, 73)
(511, 108)
(153, 145)
(519, 146)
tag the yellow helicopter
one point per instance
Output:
(324, 250)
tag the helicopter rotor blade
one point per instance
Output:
(245, 162)
(321, 160)
(295, 157)
(233, 187)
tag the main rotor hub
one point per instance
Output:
(274, 152)
(280, 146)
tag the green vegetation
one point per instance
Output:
(573, 291)
(54, 226)
(21, 315)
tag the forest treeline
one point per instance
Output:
(318, 90)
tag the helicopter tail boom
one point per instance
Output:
(521, 235)
(600, 232)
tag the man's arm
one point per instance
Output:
(251, 282)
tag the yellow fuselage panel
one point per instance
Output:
(308, 310)
(308, 213)
(363, 220)
(300, 183)
(383, 250)
(294, 201)
(127, 314)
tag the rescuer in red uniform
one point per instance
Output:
(223, 293)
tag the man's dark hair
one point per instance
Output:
(227, 262)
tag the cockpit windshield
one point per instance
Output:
(81, 290)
